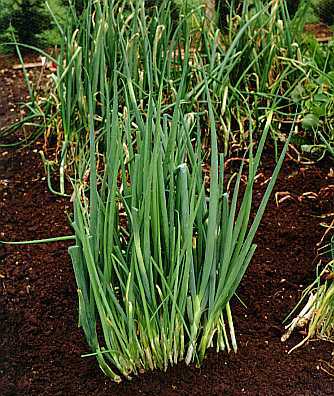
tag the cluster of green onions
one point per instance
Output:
(143, 103)
(160, 250)
(316, 307)
(146, 109)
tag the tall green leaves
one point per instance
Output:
(162, 237)
(160, 249)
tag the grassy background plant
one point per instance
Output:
(255, 41)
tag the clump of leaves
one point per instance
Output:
(324, 9)
(314, 96)
(316, 99)
(26, 19)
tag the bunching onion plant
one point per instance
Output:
(160, 252)
(160, 248)
(317, 312)
(140, 105)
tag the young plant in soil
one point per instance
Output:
(160, 247)
(159, 253)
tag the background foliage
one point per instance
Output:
(30, 21)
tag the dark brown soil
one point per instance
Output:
(40, 342)
(321, 31)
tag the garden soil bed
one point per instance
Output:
(41, 345)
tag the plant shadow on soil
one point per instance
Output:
(41, 345)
